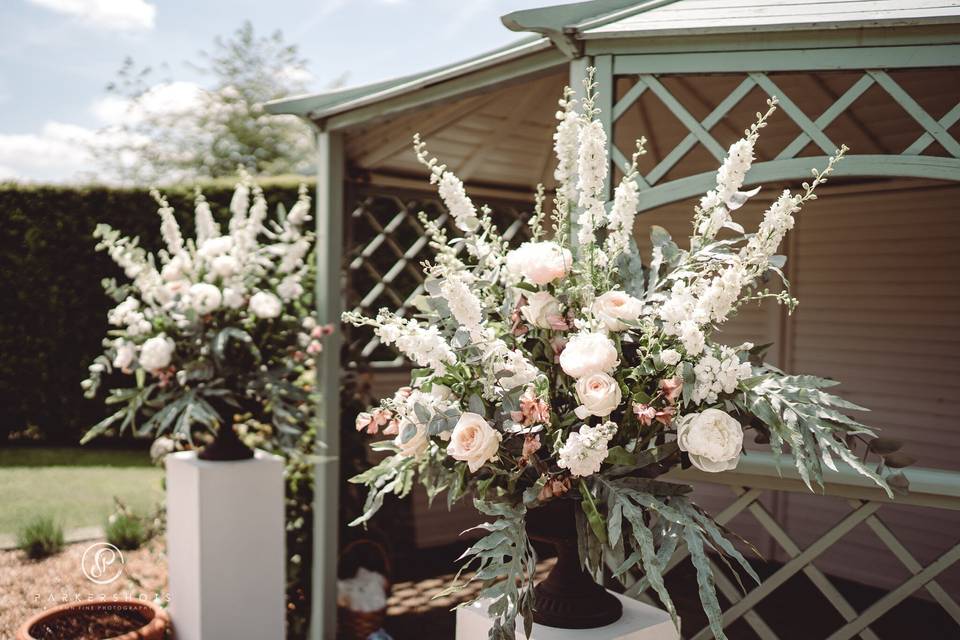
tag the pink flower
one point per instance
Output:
(533, 410)
(516, 317)
(645, 413)
(665, 415)
(558, 344)
(365, 421)
(314, 348)
(393, 428)
(554, 487)
(671, 388)
(557, 322)
(531, 444)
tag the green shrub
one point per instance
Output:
(40, 537)
(126, 531)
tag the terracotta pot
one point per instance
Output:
(155, 629)
(568, 598)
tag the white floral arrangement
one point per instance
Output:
(566, 369)
(211, 326)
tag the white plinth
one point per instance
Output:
(225, 547)
(639, 622)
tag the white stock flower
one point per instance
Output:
(716, 374)
(265, 305)
(692, 337)
(125, 356)
(585, 450)
(473, 441)
(156, 352)
(599, 395)
(177, 269)
(613, 308)
(540, 307)
(120, 314)
(458, 203)
(591, 162)
(777, 220)
(463, 303)
(539, 262)
(712, 439)
(626, 198)
(203, 218)
(205, 298)
(588, 353)
(733, 171)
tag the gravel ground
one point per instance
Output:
(27, 586)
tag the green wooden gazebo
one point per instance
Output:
(882, 76)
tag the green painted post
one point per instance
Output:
(329, 297)
(605, 88)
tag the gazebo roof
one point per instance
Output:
(564, 28)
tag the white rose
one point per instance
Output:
(205, 298)
(126, 354)
(539, 262)
(712, 438)
(599, 395)
(265, 305)
(213, 247)
(156, 352)
(670, 357)
(225, 266)
(539, 308)
(613, 307)
(588, 353)
(232, 298)
(473, 441)
(417, 445)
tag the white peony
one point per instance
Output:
(156, 352)
(588, 353)
(126, 354)
(599, 395)
(205, 298)
(214, 247)
(473, 441)
(539, 262)
(670, 357)
(225, 266)
(613, 308)
(290, 288)
(540, 307)
(712, 438)
(265, 305)
(416, 445)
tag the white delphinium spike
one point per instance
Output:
(424, 345)
(713, 212)
(450, 188)
(445, 254)
(203, 218)
(169, 227)
(592, 168)
(240, 201)
(565, 140)
(626, 197)
(464, 304)
(536, 220)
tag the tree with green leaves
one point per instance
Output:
(173, 130)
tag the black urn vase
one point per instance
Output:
(568, 598)
(226, 445)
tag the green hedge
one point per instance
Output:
(53, 308)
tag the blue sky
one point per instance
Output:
(56, 56)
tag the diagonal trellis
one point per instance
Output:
(811, 129)
(383, 257)
(856, 624)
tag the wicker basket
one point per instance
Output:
(358, 625)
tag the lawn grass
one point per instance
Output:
(75, 486)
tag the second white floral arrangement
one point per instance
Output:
(566, 369)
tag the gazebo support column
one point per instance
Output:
(329, 300)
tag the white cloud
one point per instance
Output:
(58, 152)
(109, 14)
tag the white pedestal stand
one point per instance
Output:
(225, 547)
(639, 622)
